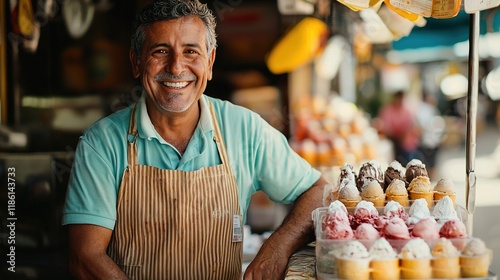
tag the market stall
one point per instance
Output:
(304, 264)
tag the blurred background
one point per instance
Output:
(320, 71)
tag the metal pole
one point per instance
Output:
(471, 117)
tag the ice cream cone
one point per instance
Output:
(384, 269)
(349, 203)
(377, 201)
(475, 266)
(402, 200)
(439, 195)
(355, 269)
(428, 196)
(416, 269)
(445, 268)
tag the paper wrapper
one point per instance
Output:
(416, 269)
(475, 266)
(439, 195)
(403, 200)
(354, 269)
(377, 201)
(384, 269)
(446, 268)
(429, 197)
(349, 203)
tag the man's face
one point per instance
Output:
(174, 65)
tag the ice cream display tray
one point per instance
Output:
(327, 248)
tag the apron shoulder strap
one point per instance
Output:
(219, 140)
(131, 138)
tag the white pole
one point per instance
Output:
(471, 117)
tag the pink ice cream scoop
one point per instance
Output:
(337, 216)
(426, 228)
(453, 229)
(393, 208)
(339, 230)
(382, 222)
(366, 231)
(396, 229)
(365, 212)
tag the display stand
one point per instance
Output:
(302, 263)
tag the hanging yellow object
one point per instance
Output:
(355, 5)
(298, 46)
(362, 4)
(418, 7)
(410, 16)
(26, 19)
(352, 7)
(445, 8)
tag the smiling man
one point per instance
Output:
(159, 190)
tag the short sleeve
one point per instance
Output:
(92, 193)
(282, 174)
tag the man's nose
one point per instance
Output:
(175, 64)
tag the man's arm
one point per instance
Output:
(87, 253)
(296, 231)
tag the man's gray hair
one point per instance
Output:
(171, 9)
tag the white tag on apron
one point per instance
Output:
(237, 229)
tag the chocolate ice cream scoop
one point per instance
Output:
(347, 171)
(415, 168)
(394, 171)
(369, 169)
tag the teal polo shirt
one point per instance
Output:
(258, 153)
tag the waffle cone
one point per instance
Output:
(384, 269)
(416, 269)
(446, 268)
(355, 269)
(349, 203)
(377, 201)
(403, 200)
(439, 195)
(429, 197)
(475, 266)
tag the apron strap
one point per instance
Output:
(131, 137)
(219, 140)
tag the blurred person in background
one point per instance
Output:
(432, 127)
(397, 122)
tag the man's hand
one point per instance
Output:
(296, 231)
(269, 263)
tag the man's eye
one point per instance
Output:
(160, 51)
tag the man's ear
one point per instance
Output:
(134, 61)
(211, 61)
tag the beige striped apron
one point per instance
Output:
(175, 224)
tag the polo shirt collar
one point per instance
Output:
(146, 129)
